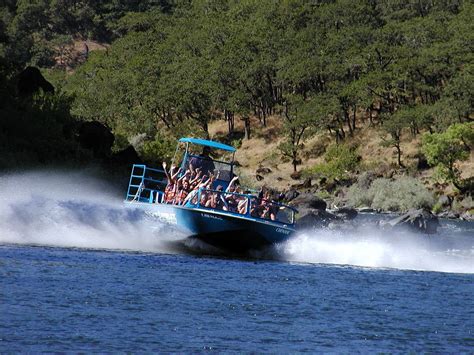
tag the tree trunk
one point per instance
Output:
(399, 155)
(347, 118)
(294, 161)
(229, 116)
(246, 120)
(205, 128)
(354, 109)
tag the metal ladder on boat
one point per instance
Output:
(136, 185)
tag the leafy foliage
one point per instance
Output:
(401, 195)
(339, 160)
(319, 66)
(445, 149)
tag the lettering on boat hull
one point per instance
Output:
(206, 215)
(166, 217)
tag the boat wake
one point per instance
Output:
(73, 210)
(372, 248)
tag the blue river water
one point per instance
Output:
(78, 274)
(55, 299)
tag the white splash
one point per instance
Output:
(71, 209)
(373, 248)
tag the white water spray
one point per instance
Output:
(450, 250)
(74, 210)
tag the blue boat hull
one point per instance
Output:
(223, 230)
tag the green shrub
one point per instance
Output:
(437, 208)
(158, 150)
(391, 195)
(236, 143)
(338, 161)
(445, 149)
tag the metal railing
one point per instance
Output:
(146, 184)
(244, 205)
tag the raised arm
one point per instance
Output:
(184, 175)
(166, 172)
(198, 176)
(175, 174)
(231, 183)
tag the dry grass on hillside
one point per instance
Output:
(262, 151)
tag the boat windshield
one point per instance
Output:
(210, 160)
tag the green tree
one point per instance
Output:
(445, 150)
(299, 125)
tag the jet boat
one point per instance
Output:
(223, 226)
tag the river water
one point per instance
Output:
(78, 272)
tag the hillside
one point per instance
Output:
(261, 151)
(390, 82)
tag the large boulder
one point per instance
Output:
(263, 170)
(291, 194)
(308, 201)
(97, 137)
(316, 219)
(312, 210)
(346, 213)
(30, 80)
(419, 220)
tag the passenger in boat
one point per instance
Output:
(204, 183)
(203, 161)
(268, 209)
(169, 192)
(216, 200)
(182, 189)
(243, 203)
(230, 196)
(195, 178)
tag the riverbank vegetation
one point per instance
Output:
(318, 81)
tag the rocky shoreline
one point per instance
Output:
(314, 214)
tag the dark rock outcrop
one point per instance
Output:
(296, 175)
(419, 220)
(30, 80)
(263, 171)
(346, 213)
(312, 210)
(127, 157)
(306, 183)
(316, 219)
(291, 194)
(97, 137)
(307, 201)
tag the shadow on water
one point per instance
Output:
(73, 210)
